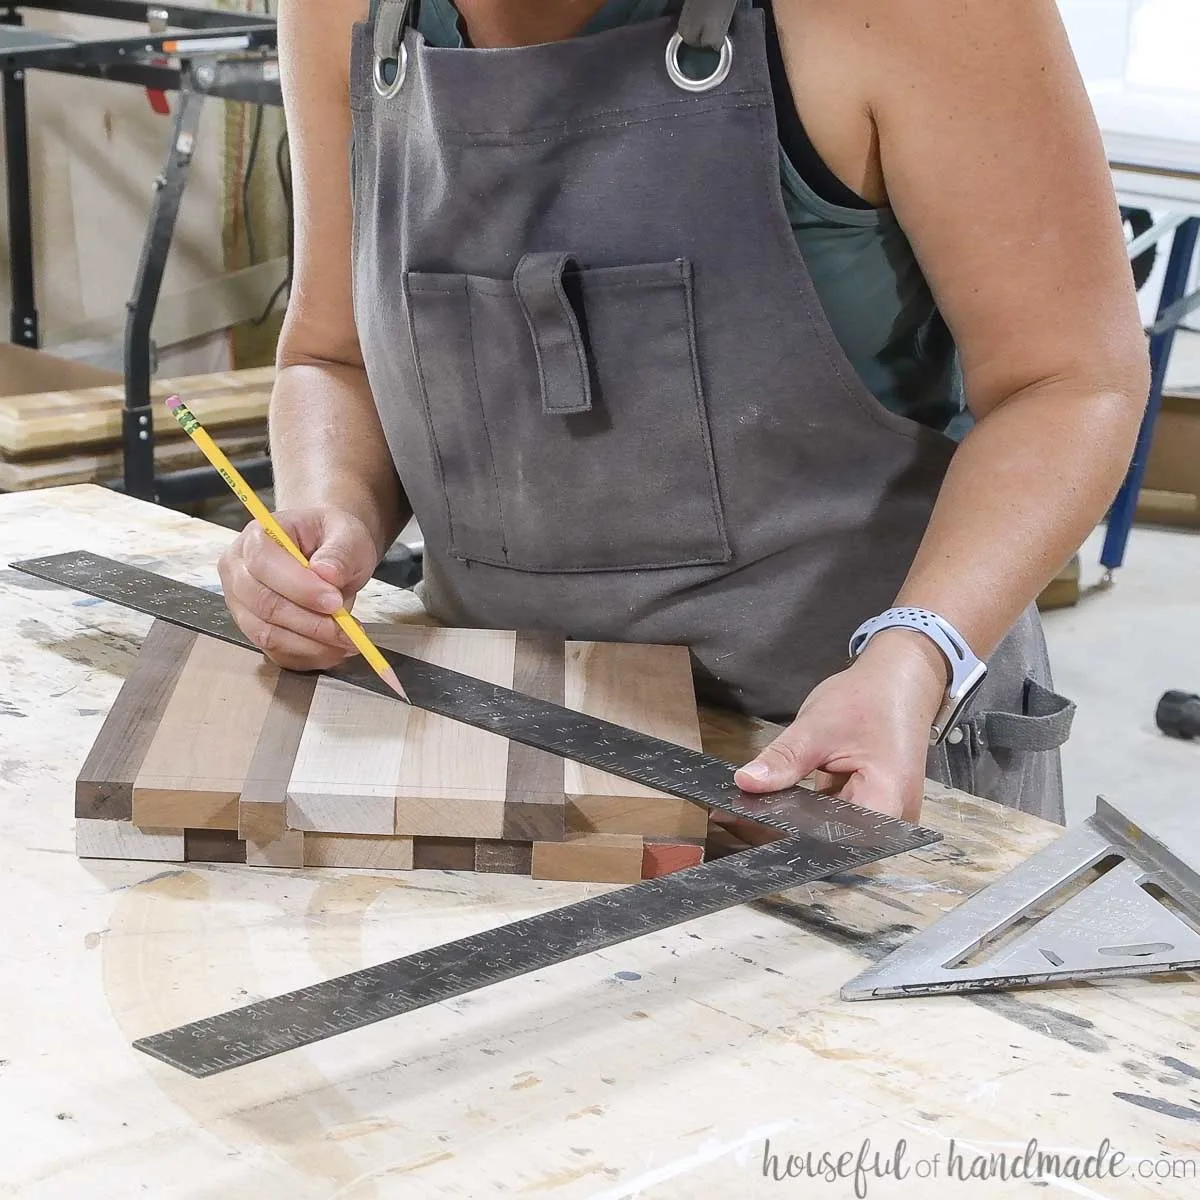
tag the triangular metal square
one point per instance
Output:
(1113, 926)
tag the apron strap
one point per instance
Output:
(557, 341)
(1045, 724)
(705, 23)
(390, 17)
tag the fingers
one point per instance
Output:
(289, 649)
(274, 569)
(791, 757)
(894, 796)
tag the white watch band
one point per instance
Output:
(966, 671)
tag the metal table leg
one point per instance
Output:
(137, 428)
(24, 317)
(1120, 517)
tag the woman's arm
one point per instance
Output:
(992, 162)
(327, 443)
(336, 490)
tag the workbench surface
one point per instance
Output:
(660, 1068)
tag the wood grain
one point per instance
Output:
(645, 688)
(452, 779)
(196, 764)
(102, 838)
(503, 857)
(348, 761)
(213, 846)
(536, 800)
(104, 786)
(663, 858)
(41, 421)
(262, 807)
(589, 858)
(358, 850)
(443, 854)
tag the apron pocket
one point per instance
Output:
(1012, 758)
(567, 416)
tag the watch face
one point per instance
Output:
(957, 704)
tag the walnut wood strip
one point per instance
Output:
(104, 786)
(536, 805)
(503, 858)
(213, 846)
(443, 854)
(262, 808)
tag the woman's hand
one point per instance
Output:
(284, 608)
(867, 726)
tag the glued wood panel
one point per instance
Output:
(196, 764)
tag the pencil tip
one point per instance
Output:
(389, 677)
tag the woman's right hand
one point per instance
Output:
(283, 607)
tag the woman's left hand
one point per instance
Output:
(867, 727)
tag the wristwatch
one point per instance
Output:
(967, 672)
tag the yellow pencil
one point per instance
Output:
(243, 491)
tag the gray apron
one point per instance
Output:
(612, 396)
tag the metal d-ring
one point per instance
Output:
(385, 89)
(708, 82)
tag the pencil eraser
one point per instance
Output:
(174, 403)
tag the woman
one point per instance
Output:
(667, 319)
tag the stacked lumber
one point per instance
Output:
(211, 753)
(52, 438)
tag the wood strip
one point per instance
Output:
(287, 850)
(96, 838)
(213, 846)
(589, 858)
(503, 858)
(262, 807)
(41, 421)
(344, 776)
(195, 767)
(104, 786)
(443, 854)
(452, 779)
(663, 858)
(647, 688)
(104, 466)
(358, 851)
(535, 808)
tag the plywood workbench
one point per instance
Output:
(656, 1069)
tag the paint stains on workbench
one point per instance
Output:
(1177, 1064)
(1165, 1107)
(527, 1080)
(1039, 1018)
(626, 975)
(8, 709)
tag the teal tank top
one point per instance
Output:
(863, 268)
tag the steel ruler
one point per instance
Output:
(822, 836)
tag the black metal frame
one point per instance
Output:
(252, 76)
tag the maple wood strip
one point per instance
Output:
(195, 767)
(359, 851)
(647, 688)
(104, 786)
(452, 780)
(122, 839)
(343, 779)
